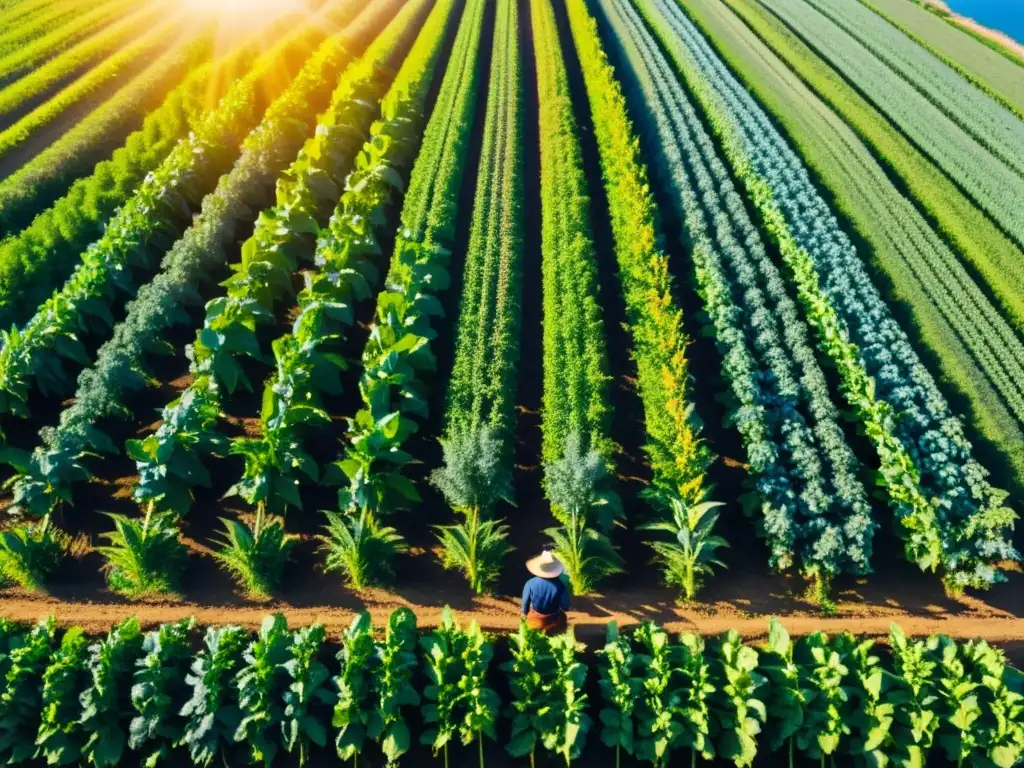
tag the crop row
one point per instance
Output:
(252, 698)
(575, 414)
(992, 184)
(679, 457)
(121, 368)
(46, 177)
(977, 112)
(985, 69)
(480, 417)
(18, 98)
(348, 273)
(924, 271)
(35, 21)
(171, 462)
(40, 258)
(398, 359)
(55, 42)
(94, 86)
(813, 508)
(923, 477)
(136, 236)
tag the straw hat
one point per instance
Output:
(545, 565)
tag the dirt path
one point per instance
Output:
(965, 618)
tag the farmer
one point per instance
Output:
(546, 595)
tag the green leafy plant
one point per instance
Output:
(30, 553)
(548, 706)
(620, 687)
(61, 738)
(459, 701)
(144, 557)
(106, 700)
(261, 683)
(360, 547)
(579, 487)
(159, 691)
(212, 713)
(786, 695)
(1000, 727)
(256, 556)
(873, 711)
(914, 694)
(375, 685)
(691, 556)
(694, 690)
(735, 689)
(307, 697)
(21, 702)
(658, 707)
(474, 480)
(827, 709)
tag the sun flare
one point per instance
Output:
(236, 19)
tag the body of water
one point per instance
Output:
(1005, 15)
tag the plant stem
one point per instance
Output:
(145, 522)
(618, 756)
(693, 758)
(480, 748)
(258, 526)
(473, 530)
(790, 752)
(445, 756)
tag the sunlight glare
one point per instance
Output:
(238, 18)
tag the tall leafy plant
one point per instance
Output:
(690, 554)
(61, 737)
(106, 700)
(737, 709)
(459, 702)
(21, 702)
(261, 683)
(159, 691)
(307, 696)
(548, 706)
(212, 712)
(375, 686)
(620, 687)
(474, 480)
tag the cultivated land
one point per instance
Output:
(352, 307)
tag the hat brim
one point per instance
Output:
(545, 570)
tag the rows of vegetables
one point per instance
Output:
(287, 696)
(344, 177)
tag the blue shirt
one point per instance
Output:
(545, 596)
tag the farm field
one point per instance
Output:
(319, 317)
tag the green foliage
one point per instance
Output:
(735, 704)
(60, 738)
(375, 685)
(307, 697)
(212, 713)
(144, 557)
(679, 458)
(474, 479)
(548, 706)
(691, 557)
(159, 692)
(620, 686)
(360, 548)
(398, 355)
(21, 703)
(106, 700)
(30, 553)
(786, 695)
(459, 703)
(582, 500)
(159, 209)
(256, 555)
(662, 713)
(261, 683)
